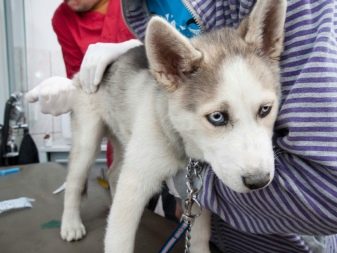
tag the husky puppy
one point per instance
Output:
(213, 98)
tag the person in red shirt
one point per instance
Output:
(83, 28)
(79, 23)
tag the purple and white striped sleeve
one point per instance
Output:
(303, 195)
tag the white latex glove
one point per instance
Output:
(54, 94)
(97, 58)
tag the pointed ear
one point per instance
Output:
(171, 55)
(264, 27)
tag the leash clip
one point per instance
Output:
(192, 207)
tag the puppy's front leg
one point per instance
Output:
(141, 176)
(86, 142)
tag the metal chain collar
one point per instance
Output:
(192, 207)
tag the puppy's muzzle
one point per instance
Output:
(258, 181)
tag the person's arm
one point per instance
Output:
(303, 195)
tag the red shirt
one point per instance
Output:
(76, 31)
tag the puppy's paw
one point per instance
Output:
(72, 230)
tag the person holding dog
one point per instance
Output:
(297, 211)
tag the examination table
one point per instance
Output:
(36, 230)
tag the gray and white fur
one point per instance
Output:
(213, 98)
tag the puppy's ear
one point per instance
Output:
(264, 27)
(171, 55)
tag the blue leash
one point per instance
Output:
(177, 234)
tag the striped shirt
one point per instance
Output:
(302, 199)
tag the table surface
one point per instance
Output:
(21, 230)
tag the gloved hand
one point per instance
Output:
(97, 58)
(55, 95)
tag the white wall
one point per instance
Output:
(44, 59)
(4, 90)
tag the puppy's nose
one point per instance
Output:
(258, 181)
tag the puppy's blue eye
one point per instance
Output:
(264, 110)
(218, 118)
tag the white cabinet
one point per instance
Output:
(60, 154)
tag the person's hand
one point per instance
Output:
(55, 95)
(97, 58)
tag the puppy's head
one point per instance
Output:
(223, 90)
